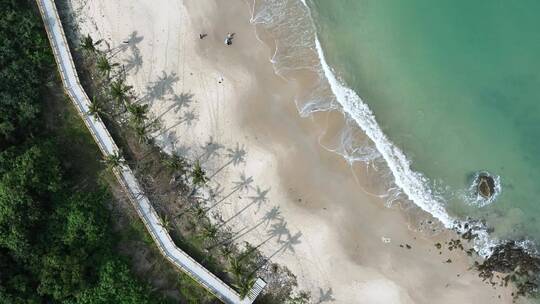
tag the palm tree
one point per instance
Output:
(113, 161)
(88, 45)
(96, 108)
(104, 66)
(175, 162)
(139, 113)
(119, 92)
(243, 282)
(209, 231)
(165, 223)
(141, 133)
(198, 175)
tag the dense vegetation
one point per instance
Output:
(56, 239)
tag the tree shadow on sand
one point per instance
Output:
(278, 230)
(134, 62)
(162, 86)
(236, 156)
(259, 199)
(288, 245)
(271, 215)
(325, 296)
(243, 184)
(178, 102)
(188, 118)
(130, 43)
(274, 214)
(210, 149)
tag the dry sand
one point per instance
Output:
(232, 98)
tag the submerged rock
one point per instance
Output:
(485, 185)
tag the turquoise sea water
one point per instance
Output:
(455, 85)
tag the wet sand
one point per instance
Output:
(334, 233)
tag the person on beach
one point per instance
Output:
(229, 38)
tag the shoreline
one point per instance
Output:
(226, 113)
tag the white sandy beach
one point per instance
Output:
(231, 96)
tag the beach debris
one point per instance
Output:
(201, 36)
(469, 235)
(449, 261)
(229, 38)
(408, 246)
(455, 244)
(485, 185)
(386, 240)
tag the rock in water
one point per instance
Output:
(486, 186)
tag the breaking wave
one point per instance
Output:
(291, 27)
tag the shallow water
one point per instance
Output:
(454, 85)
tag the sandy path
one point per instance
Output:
(331, 231)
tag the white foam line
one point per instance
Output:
(412, 183)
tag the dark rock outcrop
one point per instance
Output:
(485, 185)
(517, 265)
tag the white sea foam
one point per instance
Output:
(296, 40)
(472, 197)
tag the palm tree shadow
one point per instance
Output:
(210, 149)
(270, 216)
(260, 198)
(325, 296)
(236, 156)
(134, 62)
(178, 102)
(243, 184)
(288, 245)
(188, 118)
(162, 86)
(183, 100)
(130, 42)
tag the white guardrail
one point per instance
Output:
(101, 135)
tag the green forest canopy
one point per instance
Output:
(56, 240)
